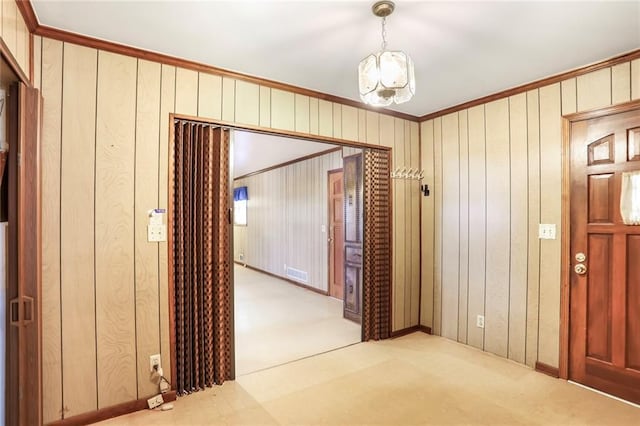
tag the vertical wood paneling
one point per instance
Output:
(389, 124)
(362, 125)
(247, 103)
(463, 299)
(450, 225)
(146, 198)
(325, 118)
(284, 204)
(37, 62)
(282, 110)
(314, 116)
(428, 227)
(477, 224)
(22, 43)
(265, 106)
(518, 155)
(51, 87)
(372, 135)
(533, 274)
(387, 137)
(209, 96)
(621, 83)
(415, 195)
(186, 92)
(409, 230)
(77, 230)
(437, 193)
(167, 105)
(337, 121)
(594, 89)
(10, 25)
(349, 123)
(228, 98)
(114, 221)
(550, 212)
(302, 113)
(569, 99)
(498, 203)
(635, 79)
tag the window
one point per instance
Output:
(630, 199)
(240, 199)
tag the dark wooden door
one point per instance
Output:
(336, 235)
(604, 350)
(24, 374)
(353, 236)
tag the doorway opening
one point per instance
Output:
(290, 207)
(201, 242)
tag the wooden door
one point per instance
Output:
(336, 234)
(24, 374)
(604, 343)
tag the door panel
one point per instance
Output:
(605, 286)
(633, 302)
(336, 235)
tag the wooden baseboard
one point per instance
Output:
(110, 412)
(547, 369)
(306, 287)
(425, 329)
(409, 330)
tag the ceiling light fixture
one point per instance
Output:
(386, 76)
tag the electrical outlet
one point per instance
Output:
(155, 401)
(285, 267)
(241, 256)
(156, 233)
(480, 321)
(154, 360)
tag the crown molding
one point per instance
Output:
(625, 57)
(28, 13)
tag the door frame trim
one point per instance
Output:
(565, 280)
(254, 129)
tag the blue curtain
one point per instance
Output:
(240, 194)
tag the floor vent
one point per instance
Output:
(297, 275)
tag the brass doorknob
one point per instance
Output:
(580, 269)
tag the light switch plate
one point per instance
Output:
(547, 231)
(156, 233)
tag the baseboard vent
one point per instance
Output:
(297, 275)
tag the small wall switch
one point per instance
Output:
(480, 321)
(547, 231)
(155, 401)
(323, 228)
(156, 233)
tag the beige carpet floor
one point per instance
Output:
(277, 322)
(416, 379)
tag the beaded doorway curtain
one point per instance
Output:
(199, 244)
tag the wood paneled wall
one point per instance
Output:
(287, 210)
(105, 164)
(496, 171)
(15, 33)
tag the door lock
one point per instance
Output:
(580, 257)
(580, 269)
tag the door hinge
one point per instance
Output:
(19, 159)
(229, 215)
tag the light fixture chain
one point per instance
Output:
(384, 33)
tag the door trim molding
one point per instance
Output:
(565, 280)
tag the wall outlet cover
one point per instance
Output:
(480, 321)
(153, 361)
(155, 401)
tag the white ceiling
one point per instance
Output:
(461, 50)
(257, 151)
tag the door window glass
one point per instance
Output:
(630, 198)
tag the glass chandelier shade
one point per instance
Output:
(386, 77)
